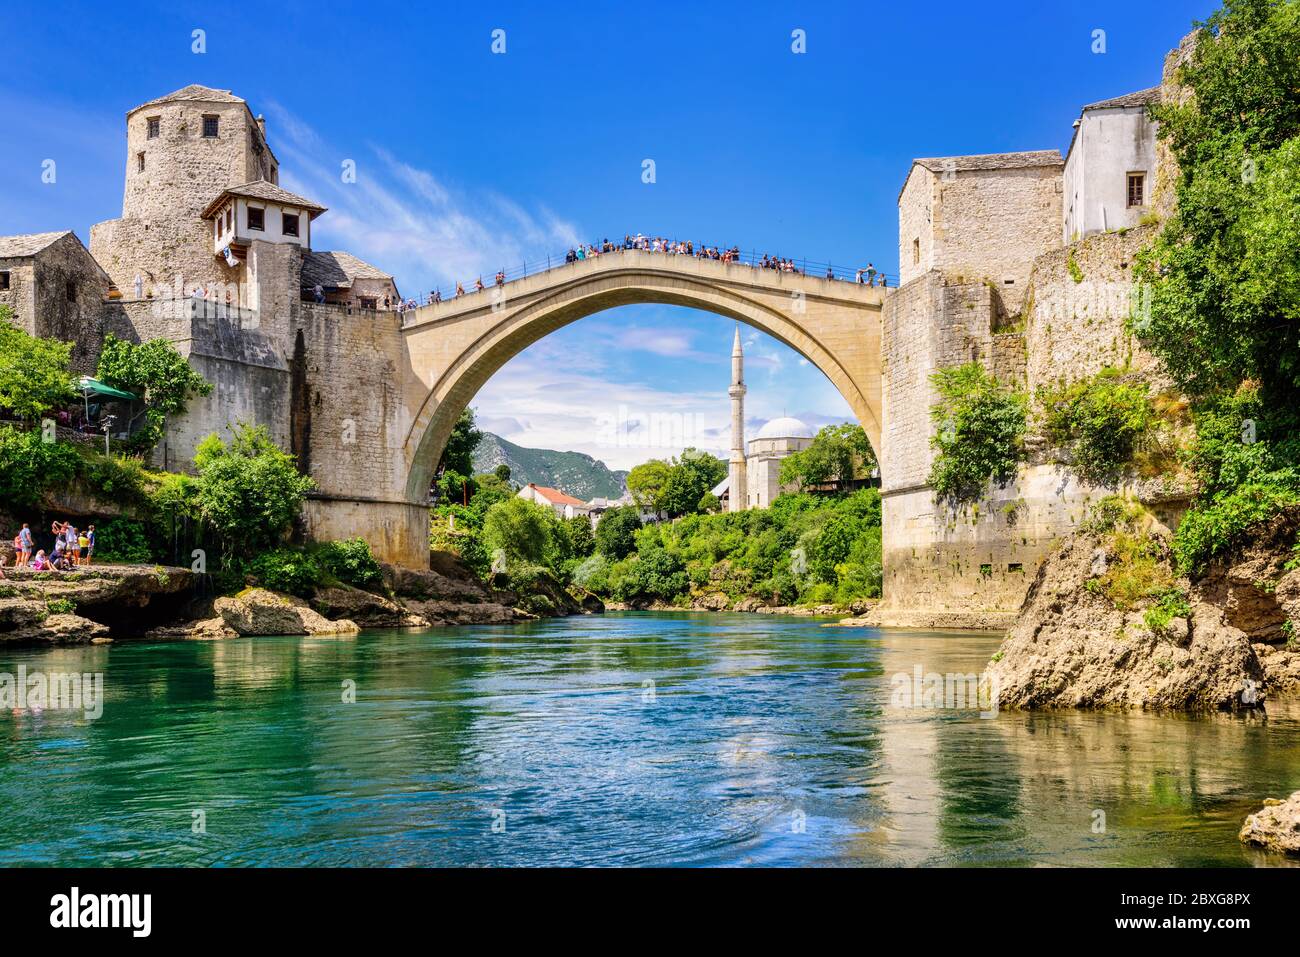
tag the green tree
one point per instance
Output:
(646, 482)
(838, 453)
(691, 476)
(522, 530)
(1101, 420)
(979, 432)
(249, 490)
(458, 456)
(581, 539)
(34, 376)
(502, 472)
(1223, 276)
(656, 575)
(616, 532)
(156, 372)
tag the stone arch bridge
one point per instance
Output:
(372, 442)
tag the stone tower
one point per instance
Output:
(737, 494)
(182, 151)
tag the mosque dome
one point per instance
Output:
(785, 427)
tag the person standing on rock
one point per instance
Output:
(90, 543)
(24, 546)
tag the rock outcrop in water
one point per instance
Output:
(1219, 643)
(1276, 827)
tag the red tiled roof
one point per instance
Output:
(554, 495)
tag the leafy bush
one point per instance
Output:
(1101, 421)
(28, 466)
(350, 561)
(61, 606)
(980, 429)
(522, 530)
(655, 575)
(616, 532)
(122, 540)
(292, 570)
(249, 490)
(34, 376)
(1169, 605)
(1215, 527)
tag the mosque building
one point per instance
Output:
(754, 471)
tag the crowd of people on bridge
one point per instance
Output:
(866, 276)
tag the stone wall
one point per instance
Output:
(1076, 328)
(915, 224)
(991, 225)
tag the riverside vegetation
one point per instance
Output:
(809, 549)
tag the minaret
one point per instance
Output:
(738, 497)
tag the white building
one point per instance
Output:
(1110, 168)
(754, 472)
(565, 506)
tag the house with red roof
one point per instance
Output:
(564, 505)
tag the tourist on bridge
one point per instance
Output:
(501, 277)
(460, 290)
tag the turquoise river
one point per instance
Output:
(623, 739)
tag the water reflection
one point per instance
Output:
(624, 739)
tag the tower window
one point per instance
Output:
(256, 218)
(154, 124)
(290, 224)
(4, 279)
(210, 126)
(916, 252)
(71, 291)
(139, 162)
(227, 218)
(1137, 183)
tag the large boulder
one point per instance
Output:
(1275, 827)
(365, 608)
(257, 611)
(204, 629)
(1072, 648)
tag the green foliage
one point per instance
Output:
(838, 453)
(616, 532)
(1169, 605)
(350, 561)
(522, 530)
(34, 376)
(61, 606)
(1215, 527)
(156, 372)
(458, 456)
(576, 537)
(249, 490)
(114, 478)
(980, 429)
(295, 571)
(1101, 421)
(123, 540)
(29, 466)
(1076, 273)
(653, 575)
(1224, 273)
(677, 487)
(804, 548)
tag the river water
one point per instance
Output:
(623, 739)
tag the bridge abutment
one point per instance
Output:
(398, 532)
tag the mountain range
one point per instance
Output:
(573, 472)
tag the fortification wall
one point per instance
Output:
(978, 560)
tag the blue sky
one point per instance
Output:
(469, 160)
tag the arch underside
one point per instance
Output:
(489, 345)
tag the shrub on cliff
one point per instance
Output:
(1101, 421)
(522, 531)
(980, 428)
(654, 575)
(351, 562)
(30, 466)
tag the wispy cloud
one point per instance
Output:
(405, 219)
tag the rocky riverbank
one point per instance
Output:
(110, 602)
(1108, 624)
(1275, 827)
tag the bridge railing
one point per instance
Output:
(752, 258)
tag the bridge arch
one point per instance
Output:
(455, 347)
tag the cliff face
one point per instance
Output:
(1223, 645)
